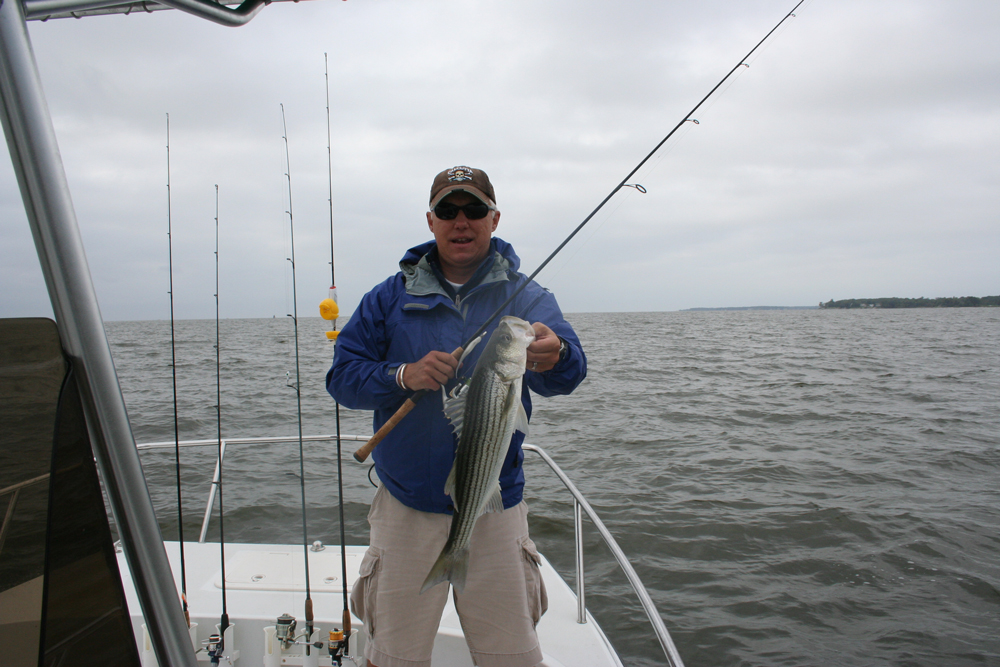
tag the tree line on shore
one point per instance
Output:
(922, 302)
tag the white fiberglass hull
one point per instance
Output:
(264, 581)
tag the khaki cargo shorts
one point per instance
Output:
(503, 598)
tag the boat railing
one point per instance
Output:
(14, 490)
(214, 486)
(580, 507)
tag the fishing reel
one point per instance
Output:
(220, 647)
(283, 641)
(338, 647)
(284, 629)
(215, 647)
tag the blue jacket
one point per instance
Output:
(403, 319)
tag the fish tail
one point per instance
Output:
(450, 566)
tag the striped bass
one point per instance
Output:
(484, 415)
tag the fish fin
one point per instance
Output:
(451, 567)
(495, 503)
(454, 409)
(514, 400)
(449, 486)
(521, 419)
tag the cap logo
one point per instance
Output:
(459, 174)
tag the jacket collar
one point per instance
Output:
(423, 278)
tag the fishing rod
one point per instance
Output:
(216, 643)
(362, 454)
(298, 386)
(173, 372)
(330, 312)
(328, 308)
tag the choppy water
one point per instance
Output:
(794, 487)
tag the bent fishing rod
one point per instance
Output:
(362, 454)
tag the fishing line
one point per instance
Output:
(224, 620)
(298, 385)
(362, 454)
(173, 373)
(333, 313)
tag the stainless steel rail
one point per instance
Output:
(580, 505)
(673, 657)
(15, 490)
(39, 9)
(214, 487)
(206, 9)
(217, 13)
(252, 441)
(34, 152)
(213, 491)
(20, 485)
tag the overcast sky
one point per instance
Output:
(857, 156)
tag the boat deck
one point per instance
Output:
(264, 581)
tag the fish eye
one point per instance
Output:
(506, 337)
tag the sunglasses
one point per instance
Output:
(472, 211)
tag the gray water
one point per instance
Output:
(793, 487)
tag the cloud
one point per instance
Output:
(854, 157)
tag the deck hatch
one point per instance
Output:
(281, 570)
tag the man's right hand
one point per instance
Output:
(434, 370)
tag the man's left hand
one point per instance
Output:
(543, 353)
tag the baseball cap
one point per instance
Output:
(464, 179)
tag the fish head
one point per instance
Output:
(510, 344)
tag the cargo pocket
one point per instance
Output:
(538, 599)
(365, 589)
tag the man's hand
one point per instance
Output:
(434, 370)
(543, 353)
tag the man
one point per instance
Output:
(400, 340)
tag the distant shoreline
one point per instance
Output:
(922, 302)
(687, 310)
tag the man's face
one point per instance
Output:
(462, 243)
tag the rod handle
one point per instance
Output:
(366, 449)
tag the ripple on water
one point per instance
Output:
(793, 487)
